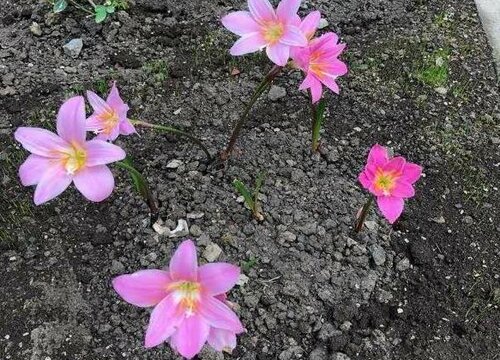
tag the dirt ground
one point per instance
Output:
(421, 82)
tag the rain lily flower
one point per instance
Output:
(58, 160)
(264, 27)
(189, 302)
(319, 60)
(390, 180)
(110, 117)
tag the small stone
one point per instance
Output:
(346, 326)
(318, 354)
(468, 219)
(9, 90)
(195, 215)
(441, 90)
(439, 220)
(174, 164)
(495, 140)
(195, 230)
(323, 23)
(378, 254)
(117, 267)
(212, 252)
(403, 265)
(276, 93)
(242, 280)
(340, 356)
(35, 29)
(73, 48)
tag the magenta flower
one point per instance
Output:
(319, 60)
(110, 117)
(58, 160)
(390, 180)
(189, 302)
(263, 27)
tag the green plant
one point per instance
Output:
(99, 11)
(251, 198)
(157, 68)
(435, 69)
(247, 265)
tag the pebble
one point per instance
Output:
(174, 164)
(378, 254)
(276, 93)
(35, 29)
(117, 267)
(441, 90)
(73, 48)
(403, 265)
(195, 230)
(212, 252)
(318, 354)
(340, 356)
(323, 23)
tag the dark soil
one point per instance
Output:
(421, 81)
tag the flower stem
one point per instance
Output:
(263, 86)
(362, 216)
(173, 131)
(78, 6)
(314, 134)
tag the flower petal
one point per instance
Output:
(261, 10)
(32, 169)
(411, 172)
(96, 183)
(143, 288)
(222, 340)
(310, 24)
(240, 23)
(100, 152)
(391, 207)
(335, 68)
(41, 142)
(164, 320)
(114, 100)
(403, 190)
(126, 127)
(378, 155)
(98, 104)
(331, 84)
(364, 180)
(287, 9)
(278, 53)
(293, 37)
(248, 44)
(71, 120)
(53, 182)
(184, 263)
(219, 315)
(395, 164)
(192, 334)
(218, 278)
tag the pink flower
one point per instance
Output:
(189, 302)
(319, 60)
(390, 180)
(110, 117)
(58, 160)
(263, 27)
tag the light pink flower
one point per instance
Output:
(58, 160)
(189, 302)
(319, 60)
(390, 180)
(263, 27)
(110, 117)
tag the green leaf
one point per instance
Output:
(321, 112)
(110, 9)
(243, 190)
(140, 183)
(59, 5)
(100, 13)
(258, 185)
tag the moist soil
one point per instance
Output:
(421, 82)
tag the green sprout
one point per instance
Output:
(99, 11)
(251, 198)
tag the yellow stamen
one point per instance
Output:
(74, 158)
(109, 120)
(187, 295)
(385, 181)
(273, 32)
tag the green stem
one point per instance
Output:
(314, 127)
(141, 185)
(263, 86)
(364, 213)
(173, 131)
(78, 6)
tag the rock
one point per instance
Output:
(441, 90)
(242, 280)
(195, 230)
(346, 326)
(35, 29)
(73, 48)
(9, 90)
(438, 220)
(340, 356)
(276, 93)
(182, 228)
(378, 254)
(468, 219)
(117, 267)
(403, 265)
(323, 23)
(195, 215)
(174, 164)
(318, 354)
(212, 252)
(293, 352)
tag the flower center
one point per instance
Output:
(385, 181)
(187, 295)
(316, 66)
(273, 32)
(109, 119)
(74, 159)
